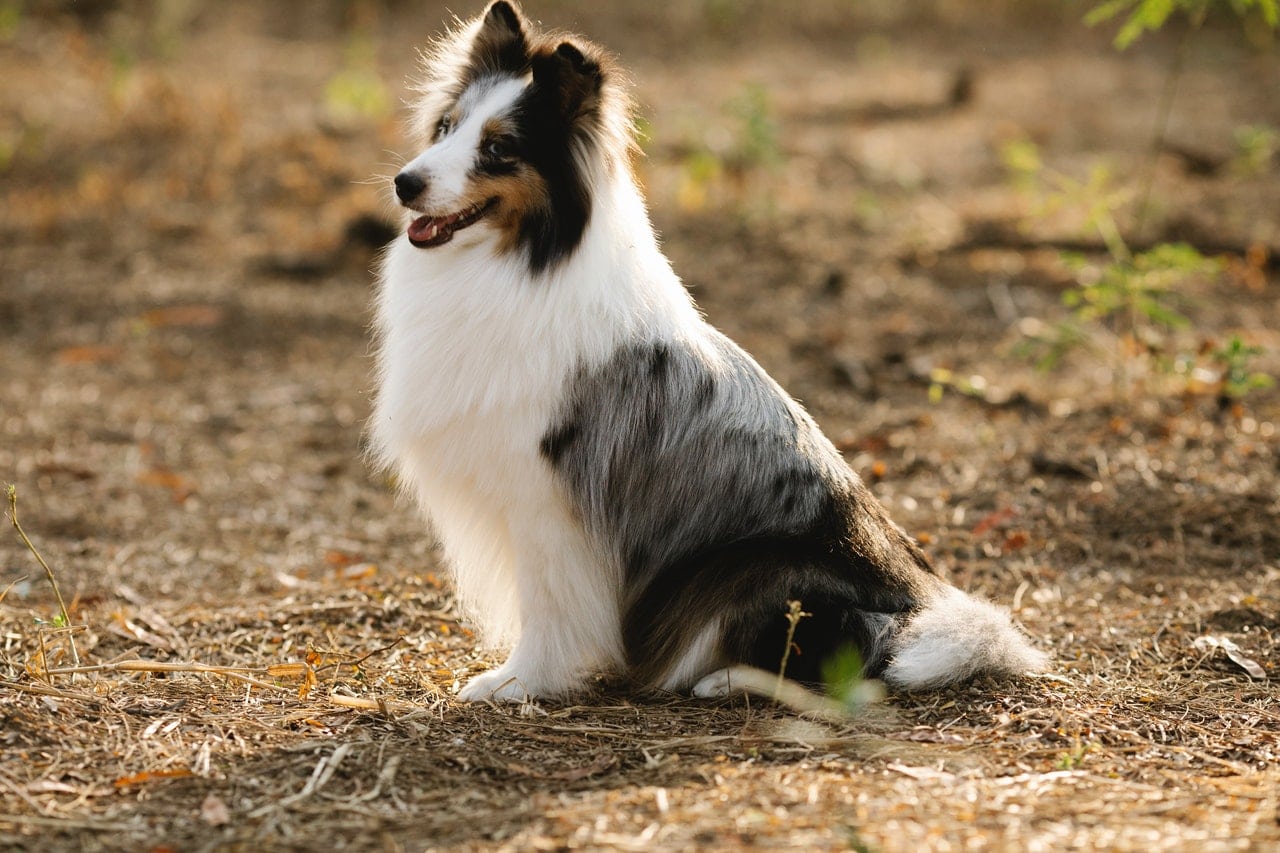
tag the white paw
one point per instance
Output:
(497, 685)
(719, 684)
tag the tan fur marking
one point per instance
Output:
(518, 194)
(497, 126)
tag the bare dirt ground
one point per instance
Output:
(186, 231)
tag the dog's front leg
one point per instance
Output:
(568, 616)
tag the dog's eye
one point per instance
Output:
(444, 126)
(497, 149)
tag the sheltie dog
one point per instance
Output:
(618, 487)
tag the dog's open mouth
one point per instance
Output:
(428, 231)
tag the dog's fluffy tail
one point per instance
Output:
(956, 637)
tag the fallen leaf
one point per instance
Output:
(1234, 653)
(150, 776)
(92, 354)
(293, 581)
(180, 486)
(994, 520)
(308, 682)
(1016, 540)
(358, 572)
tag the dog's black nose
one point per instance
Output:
(409, 186)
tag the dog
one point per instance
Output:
(617, 486)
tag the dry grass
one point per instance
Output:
(284, 734)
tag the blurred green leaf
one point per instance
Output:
(1151, 15)
(842, 673)
(1238, 377)
(1257, 146)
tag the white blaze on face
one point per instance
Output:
(446, 165)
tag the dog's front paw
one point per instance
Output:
(497, 685)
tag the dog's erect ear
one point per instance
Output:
(500, 43)
(503, 16)
(570, 80)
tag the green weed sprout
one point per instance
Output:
(1145, 16)
(1257, 145)
(1133, 296)
(749, 146)
(842, 673)
(1238, 379)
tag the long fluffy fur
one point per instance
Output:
(617, 486)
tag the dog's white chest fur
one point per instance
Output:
(476, 360)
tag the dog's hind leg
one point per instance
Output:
(702, 656)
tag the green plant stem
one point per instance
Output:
(1104, 222)
(12, 492)
(1164, 108)
(1109, 231)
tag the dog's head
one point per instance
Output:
(519, 127)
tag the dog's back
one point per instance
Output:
(721, 501)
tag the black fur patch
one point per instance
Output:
(852, 598)
(556, 442)
(553, 119)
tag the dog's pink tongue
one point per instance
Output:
(424, 228)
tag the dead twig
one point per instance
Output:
(12, 492)
(41, 690)
(382, 705)
(155, 666)
(388, 647)
(794, 615)
(238, 673)
(64, 823)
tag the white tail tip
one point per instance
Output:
(956, 637)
